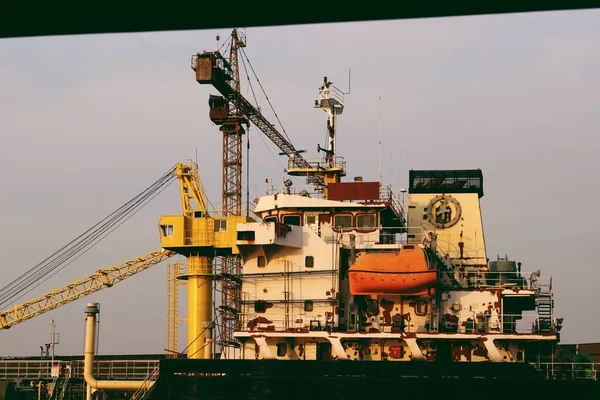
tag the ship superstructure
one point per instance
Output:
(347, 273)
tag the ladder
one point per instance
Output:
(144, 390)
(65, 383)
(55, 382)
(545, 304)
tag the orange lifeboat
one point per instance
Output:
(404, 272)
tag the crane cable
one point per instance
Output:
(58, 259)
(257, 106)
(265, 93)
(70, 252)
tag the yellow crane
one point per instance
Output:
(194, 234)
(101, 279)
(198, 236)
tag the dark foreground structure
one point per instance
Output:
(245, 379)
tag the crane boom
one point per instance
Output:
(99, 280)
(211, 67)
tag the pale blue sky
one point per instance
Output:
(87, 122)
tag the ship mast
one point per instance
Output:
(331, 168)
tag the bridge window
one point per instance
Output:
(365, 221)
(166, 230)
(291, 220)
(308, 305)
(260, 306)
(372, 307)
(260, 261)
(309, 261)
(246, 235)
(421, 308)
(220, 225)
(281, 349)
(342, 221)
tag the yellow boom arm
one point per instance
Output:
(75, 290)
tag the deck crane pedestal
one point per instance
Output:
(200, 237)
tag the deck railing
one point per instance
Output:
(103, 369)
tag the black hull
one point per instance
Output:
(249, 379)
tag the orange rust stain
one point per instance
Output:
(259, 320)
(387, 306)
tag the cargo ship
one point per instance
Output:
(340, 288)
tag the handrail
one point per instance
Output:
(105, 369)
(144, 390)
(568, 370)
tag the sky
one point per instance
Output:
(89, 121)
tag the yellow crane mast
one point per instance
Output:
(199, 237)
(99, 280)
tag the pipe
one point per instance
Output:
(91, 311)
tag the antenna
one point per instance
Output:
(379, 136)
(52, 338)
(391, 178)
(349, 81)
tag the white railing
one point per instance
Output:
(527, 323)
(105, 369)
(522, 280)
(386, 193)
(569, 370)
(319, 163)
(298, 190)
(294, 320)
(371, 236)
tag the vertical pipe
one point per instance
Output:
(91, 311)
(199, 307)
(352, 249)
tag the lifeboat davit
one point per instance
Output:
(404, 272)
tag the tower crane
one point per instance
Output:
(231, 111)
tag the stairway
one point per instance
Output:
(65, 385)
(59, 387)
(449, 269)
(145, 389)
(545, 304)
